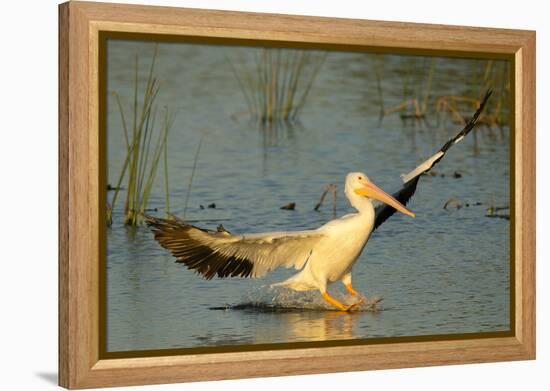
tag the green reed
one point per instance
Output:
(146, 143)
(485, 75)
(378, 75)
(278, 82)
(190, 184)
(418, 100)
(417, 90)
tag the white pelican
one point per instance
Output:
(323, 255)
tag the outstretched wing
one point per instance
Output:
(383, 211)
(213, 253)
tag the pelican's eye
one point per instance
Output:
(359, 178)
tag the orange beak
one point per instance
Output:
(373, 191)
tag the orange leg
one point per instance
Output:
(337, 304)
(350, 289)
(353, 292)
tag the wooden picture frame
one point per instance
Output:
(80, 27)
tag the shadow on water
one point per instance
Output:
(273, 132)
(277, 300)
(274, 308)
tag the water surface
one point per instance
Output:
(447, 271)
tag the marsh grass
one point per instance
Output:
(419, 102)
(277, 82)
(417, 90)
(378, 75)
(190, 183)
(497, 78)
(145, 143)
(490, 75)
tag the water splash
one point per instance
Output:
(266, 298)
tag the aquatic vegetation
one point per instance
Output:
(330, 188)
(417, 89)
(190, 184)
(419, 102)
(143, 155)
(378, 69)
(496, 76)
(277, 82)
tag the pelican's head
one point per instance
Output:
(358, 184)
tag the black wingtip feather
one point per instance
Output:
(469, 125)
(384, 212)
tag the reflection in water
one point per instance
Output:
(307, 326)
(284, 315)
(274, 132)
(447, 271)
(275, 135)
(288, 326)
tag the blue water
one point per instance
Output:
(447, 271)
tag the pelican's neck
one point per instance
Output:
(362, 204)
